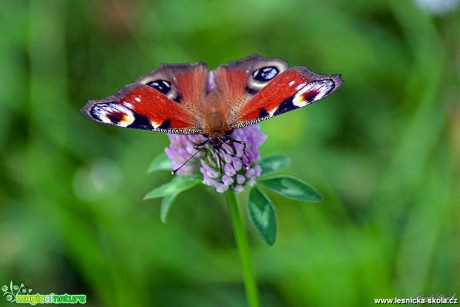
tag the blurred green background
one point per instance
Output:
(384, 152)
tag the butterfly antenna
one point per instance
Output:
(174, 172)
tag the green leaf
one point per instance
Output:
(263, 215)
(166, 204)
(291, 187)
(177, 185)
(160, 163)
(274, 163)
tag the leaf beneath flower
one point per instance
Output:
(166, 204)
(292, 188)
(160, 163)
(177, 185)
(263, 215)
(274, 163)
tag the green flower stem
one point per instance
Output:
(243, 249)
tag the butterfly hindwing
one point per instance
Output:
(239, 80)
(186, 84)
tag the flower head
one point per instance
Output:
(231, 167)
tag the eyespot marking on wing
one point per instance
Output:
(112, 113)
(162, 86)
(262, 75)
(265, 74)
(165, 87)
(312, 92)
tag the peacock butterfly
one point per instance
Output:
(190, 99)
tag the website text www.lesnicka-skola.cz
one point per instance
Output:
(438, 299)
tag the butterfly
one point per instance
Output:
(190, 99)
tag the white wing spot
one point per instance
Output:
(128, 105)
(291, 83)
(322, 87)
(300, 86)
(138, 99)
(113, 113)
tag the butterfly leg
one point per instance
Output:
(229, 149)
(233, 141)
(219, 159)
(201, 145)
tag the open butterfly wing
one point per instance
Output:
(166, 100)
(294, 88)
(235, 81)
(259, 88)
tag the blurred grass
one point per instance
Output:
(383, 151)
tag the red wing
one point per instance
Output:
(188, 83)
(140, 106)
(168, 100)
(235, 80)
(294, 88)
(259, 88)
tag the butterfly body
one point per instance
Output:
(216, 115)
(190, 99)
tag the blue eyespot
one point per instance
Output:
(162, 86)
(265, 74)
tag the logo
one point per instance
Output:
(21, 294)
